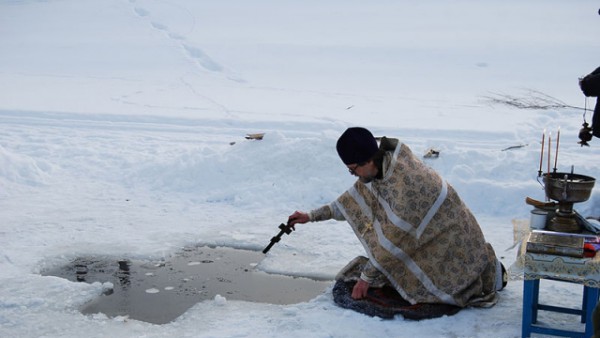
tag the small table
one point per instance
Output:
(584, 271)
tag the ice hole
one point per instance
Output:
(160, 291)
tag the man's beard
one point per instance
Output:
(366, 179)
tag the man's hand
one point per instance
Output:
(298, 217)
(360, 289)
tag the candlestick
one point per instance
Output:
(556, 154)
(542, 153)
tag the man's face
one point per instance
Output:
(365, 171)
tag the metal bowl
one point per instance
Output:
(567, 187)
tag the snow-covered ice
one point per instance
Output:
(123, 124)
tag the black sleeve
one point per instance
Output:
(596, 119)
(590, 84)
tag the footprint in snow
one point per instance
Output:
(159, 26)
(203, 59)
(141, 11)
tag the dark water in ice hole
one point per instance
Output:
(160, 291)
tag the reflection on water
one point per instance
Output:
(123, 273)
(160, 291)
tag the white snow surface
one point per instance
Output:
(123, 124)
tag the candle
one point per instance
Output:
(549, 152)
(556, 154)
(542, 154)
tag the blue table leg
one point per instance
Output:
(589, 303)
(536, 300)
(529, 296)
(584, 306)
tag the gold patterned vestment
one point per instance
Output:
(418, 233)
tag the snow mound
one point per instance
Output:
(22, 169)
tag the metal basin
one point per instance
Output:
(567, 187)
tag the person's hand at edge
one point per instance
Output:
(298, 217)
(360, 289)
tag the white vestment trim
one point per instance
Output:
(433, 210)
(397, 221)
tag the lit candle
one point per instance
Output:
(542, 154)
(556, 154)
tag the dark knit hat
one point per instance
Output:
(356, 145)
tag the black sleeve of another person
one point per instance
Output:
(590, 86)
